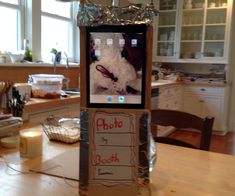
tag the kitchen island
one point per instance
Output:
(36, 110)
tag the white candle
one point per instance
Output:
(30, 144)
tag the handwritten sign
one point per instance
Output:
(113, 123)
(113, 156)
(114, 152)
(105, 140)
(110, 173)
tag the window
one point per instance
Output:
(10, 20)
(46, 24)
(57, 28)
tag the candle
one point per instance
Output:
(30, 144)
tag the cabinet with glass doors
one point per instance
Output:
(166, 29)
(193, 31)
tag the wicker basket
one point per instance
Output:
(65, 130)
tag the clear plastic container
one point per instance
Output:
(46, 86)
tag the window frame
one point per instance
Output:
(73, 33)
(20, 8)
(29, 15)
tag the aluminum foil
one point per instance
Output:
(87, 13)
(90, 14)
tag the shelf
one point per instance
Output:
(192, 25)
(213, 41)
(193, 10)
(163, 11)
(216, 24)
(191, 41)
(167, 41)
(165, 56)
(216, 8)
(166, 26)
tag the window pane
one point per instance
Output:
(10, 1)
(8, 35)
(55, 34)
(58, 8)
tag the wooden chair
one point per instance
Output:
(183, 120)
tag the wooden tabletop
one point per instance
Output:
(179, 171)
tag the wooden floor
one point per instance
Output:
(222, 144)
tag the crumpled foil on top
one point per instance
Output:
(90, 14)
(87, 13)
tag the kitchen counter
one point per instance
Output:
(206, 83)
(161, 83)
(37, 110)
(37, 103)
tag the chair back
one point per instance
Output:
(183, 120)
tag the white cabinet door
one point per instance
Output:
(192, 104)
(206, 101)
(170, 97)
(166, 30)
(212, 106)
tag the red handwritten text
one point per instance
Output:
(104, 126)
(106, 161)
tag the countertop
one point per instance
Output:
(164, 83)
(160, 83)
(37, 103)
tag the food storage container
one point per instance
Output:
(46, 85)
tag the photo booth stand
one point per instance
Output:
(114, 146)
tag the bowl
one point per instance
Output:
(3, 59)
(187, 55)
(10, 142)
(16, 58)
(212, 4)
(199, 5)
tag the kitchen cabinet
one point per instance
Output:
(170, 97)
(193, 31)
(206, 101)
(154, 98)
(39, 116)
(37, 110)
(166, 30)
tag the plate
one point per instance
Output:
(10, 142)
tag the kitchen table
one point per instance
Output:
(179, 171)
